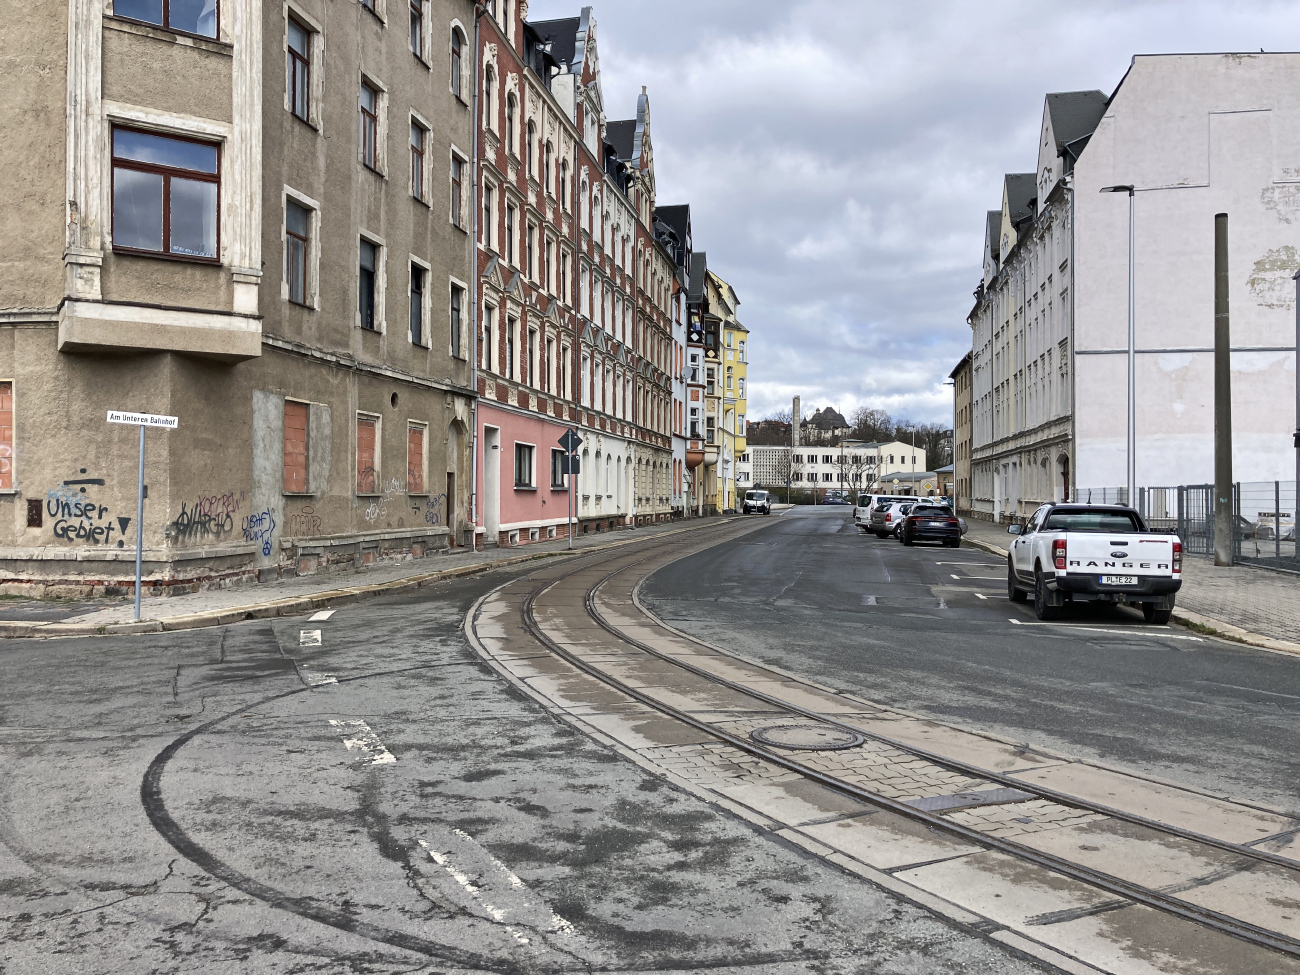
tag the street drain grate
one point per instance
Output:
(807, 737)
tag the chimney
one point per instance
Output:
(794, 423)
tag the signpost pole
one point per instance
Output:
(139, 525)
(570, 459)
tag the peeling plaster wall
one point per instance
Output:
(1197, 135)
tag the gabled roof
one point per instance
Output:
(1021, 188)
(958, 367)
(562, 34)
(1075, 115)
(620, 135)
(993, 229)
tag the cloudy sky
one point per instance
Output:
(839, 157)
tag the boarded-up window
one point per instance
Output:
(295, 447)
(415, 460)
(367, 476)
(6, 435)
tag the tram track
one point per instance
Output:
(584, 600)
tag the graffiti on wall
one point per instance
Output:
(378, 508)
(433, 509)
(78, 517)
(259, 528)
(304, 521)
(207, 517)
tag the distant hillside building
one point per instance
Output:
(824, 426)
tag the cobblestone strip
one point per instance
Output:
(874, 767)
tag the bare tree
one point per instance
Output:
(872, 424)
(856, 469)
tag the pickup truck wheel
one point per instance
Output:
(1042, 608)
(1014, 592)
(1157, 616)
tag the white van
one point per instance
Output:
(756, 501)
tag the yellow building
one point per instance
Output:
(730, 399)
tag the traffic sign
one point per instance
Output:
(895, 482)
(926, 485)
(142, 419)
(570, 441)
(570, 464)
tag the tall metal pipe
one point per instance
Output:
(1224, 529)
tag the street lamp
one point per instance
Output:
(1132, 382)
(1296, 436)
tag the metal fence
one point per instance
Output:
(1264, 514)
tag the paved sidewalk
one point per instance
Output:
(285, 597)
(1245, 603)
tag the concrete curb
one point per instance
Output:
(1197, 622)
(291, 606)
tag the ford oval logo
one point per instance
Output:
(1119, 555)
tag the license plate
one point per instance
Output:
(1119, 580)
(935, 524)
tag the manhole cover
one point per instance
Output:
(810, 737)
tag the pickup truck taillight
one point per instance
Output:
(1058, 553)
(1178, 556)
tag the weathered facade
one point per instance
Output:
(574, 293)
(961, 427)
(246, 223)
(1022, 325)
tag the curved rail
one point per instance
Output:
(1136, 893)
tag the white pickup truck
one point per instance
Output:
(1093, 553)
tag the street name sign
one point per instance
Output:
(143, 419)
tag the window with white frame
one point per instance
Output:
(419, 153)
(488, 361)
(524, 468)
(373, 104)
(457, 67)
(457, 319)
(370, 285)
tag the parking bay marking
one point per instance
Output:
(309, 638)
(516, 900)
(1162, 634)
(324, 614)
(358, 737)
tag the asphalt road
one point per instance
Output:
(360, 794)
(906, 627)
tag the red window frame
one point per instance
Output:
(295, 446)
(415, 459)
(367, 436)
(167, 172)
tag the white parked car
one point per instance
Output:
(1073, 553)
(759, 502)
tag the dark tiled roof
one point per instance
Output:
(957, 368)
(1021, 189)
(1074, 115)
(621, 135)
(994, 228)
(563, 35)
(699, 271)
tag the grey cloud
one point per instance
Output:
(838, 158)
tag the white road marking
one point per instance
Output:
(309, 638)
(316, 680)
(324, 614)
(982, 565)
(364, 740)
(954, 575)
(528, 903)
(1133, 632)
(980, 595)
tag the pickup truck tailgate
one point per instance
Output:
(1122, 553)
